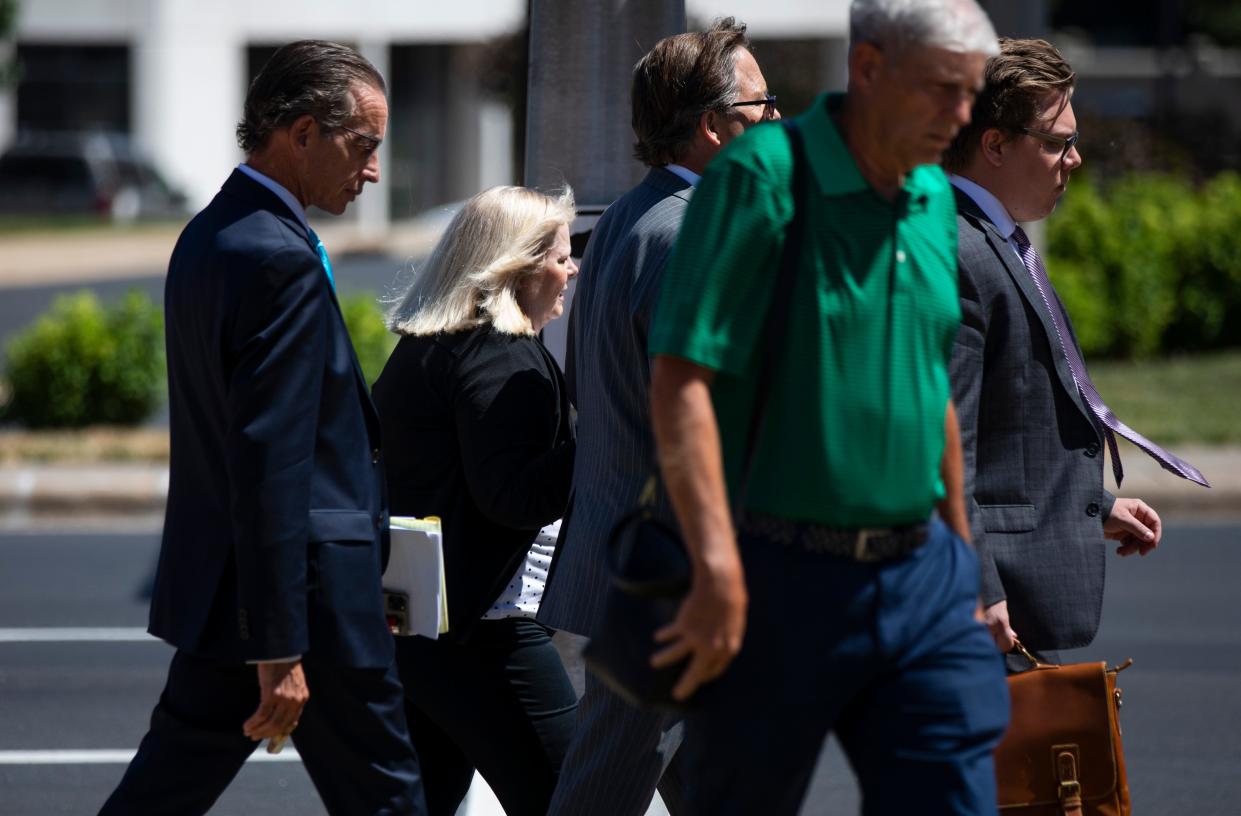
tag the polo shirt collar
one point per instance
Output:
(834, 166)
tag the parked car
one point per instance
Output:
(83, 173)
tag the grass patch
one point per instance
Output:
(142, 446)
(1179, 399)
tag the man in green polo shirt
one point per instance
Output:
(838, 600)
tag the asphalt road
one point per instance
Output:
(1173, 612)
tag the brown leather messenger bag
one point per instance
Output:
(1062, 754)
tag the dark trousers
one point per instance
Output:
(888, 656)
(618, 758)
(351, 736)
(500, 703)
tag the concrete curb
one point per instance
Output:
(47, 493)
(39, 492)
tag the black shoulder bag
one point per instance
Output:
(650, 568)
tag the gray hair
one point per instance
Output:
(495, 242)
(312, 77)
(954, 25)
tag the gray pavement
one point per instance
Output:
(1173, 612)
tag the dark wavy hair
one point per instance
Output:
(1019, 80)
(679, 80)
(304, 77)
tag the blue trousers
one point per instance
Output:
(887, 656)
(351, 736)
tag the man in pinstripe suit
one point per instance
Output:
(1032, 426)
(691, 95)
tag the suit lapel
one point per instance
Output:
(242, 186)
(364, 391)
(1025, 284)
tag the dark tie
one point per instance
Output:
(1111, 425)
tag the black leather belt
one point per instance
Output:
(864, 544)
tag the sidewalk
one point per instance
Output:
(53, 257)
(48, 495)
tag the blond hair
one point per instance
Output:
(495, 242)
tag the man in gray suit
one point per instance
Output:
(1033, 426)
(691, 95)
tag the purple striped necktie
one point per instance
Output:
(1111, 425)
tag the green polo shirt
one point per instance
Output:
(855, 422)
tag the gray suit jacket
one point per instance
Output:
(609, 374)
(1033, 453)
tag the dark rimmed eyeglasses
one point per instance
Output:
(369, 144)
(1066, 143)
(768, 102)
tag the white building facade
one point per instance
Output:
(189, 62)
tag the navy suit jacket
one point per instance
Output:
(276, 527)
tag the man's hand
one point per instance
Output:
(283, 695)
(708, 628)
(1135, 525)
(711, 621)
(995, 618)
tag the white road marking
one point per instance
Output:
(113, 756)
(76, 634)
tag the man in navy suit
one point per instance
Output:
(275, 534)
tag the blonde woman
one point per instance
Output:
(476, 428)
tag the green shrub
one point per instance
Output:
(1150, 264)
(1209, 302)
(81, 364)
(371, 339)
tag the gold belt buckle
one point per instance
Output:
(859, 546)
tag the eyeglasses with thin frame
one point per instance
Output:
(768, 102)
(369, 144)
(1066, 143)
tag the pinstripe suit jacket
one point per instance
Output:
(608, 374)
(1033, 453)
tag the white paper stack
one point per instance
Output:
(416, 572)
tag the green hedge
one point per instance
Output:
(82, 364)
(1150, 264)
(371, 339)
(86, 364)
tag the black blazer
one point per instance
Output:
(275, 531)
(479, 433)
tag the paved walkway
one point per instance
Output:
(90, 255)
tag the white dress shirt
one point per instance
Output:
(685, 173)
(280, 191)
